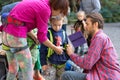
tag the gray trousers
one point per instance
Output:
(73, 75)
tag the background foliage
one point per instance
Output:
(110, 11)
(4, 2)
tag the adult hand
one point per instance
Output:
(36, 41)
(58, 49)
(69, 49)
(2, 52)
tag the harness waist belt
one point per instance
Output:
(13, 49)
(14, 21)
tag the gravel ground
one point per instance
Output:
(113, 31)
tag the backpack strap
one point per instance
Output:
(50, 51)
(64, 36)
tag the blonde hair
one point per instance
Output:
(81, 12)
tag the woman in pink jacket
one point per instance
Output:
(23, 18)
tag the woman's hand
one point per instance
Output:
(58, 49)
(2, 52)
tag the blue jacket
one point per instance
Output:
(8, 8)
(58, 39)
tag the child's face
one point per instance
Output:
(57, 24)
(78, 29)
(80, 16)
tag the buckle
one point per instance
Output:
(9, 19)
(5, 47)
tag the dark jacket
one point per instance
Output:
(54, 58)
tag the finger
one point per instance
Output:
(63, 48)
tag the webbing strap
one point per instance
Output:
(50, 51)
(6, 48)
(13, 49)
(63, 36)
(58, 66)
(11, 20)
(17, 49)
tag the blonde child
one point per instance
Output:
(80, 50)
(34, 45)
(58, 37)
(80, 26)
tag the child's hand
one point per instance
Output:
(45, 71)
(84, 24)
(45, 67)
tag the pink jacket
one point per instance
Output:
(35, 14)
